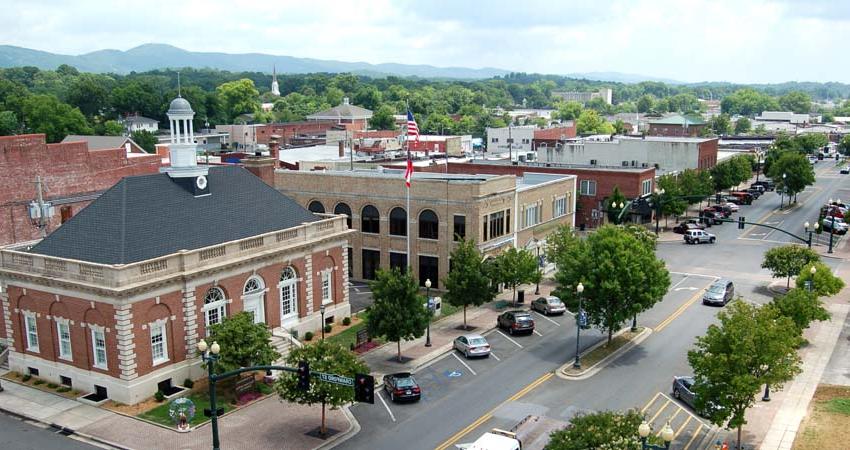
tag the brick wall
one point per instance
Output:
(708, 154)
(287, 131)
(68, 170)
(674, 130)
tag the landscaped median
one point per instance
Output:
(598, 356)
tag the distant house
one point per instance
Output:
(107, 143)
(353, 117)
(680, 125)
(138, 123)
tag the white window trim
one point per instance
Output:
(30, 317)
(285, 284)
(105, 364)
(59, 324)
(563, 211)
(590, 183)
(159, 324)
(329, 274)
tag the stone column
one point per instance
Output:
(126, 341)
(345, 292)
(172, 124)
(308, 281)
(190, 321)
(191, 130)
(6, 310)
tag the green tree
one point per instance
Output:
(467, 283)
(619, 127)
(796, 101)
(802, 307)
(748, 102)
(844, 145)
(243, 343)
(90, 93)
(824, 282)
(599, 431)
(743, 125)
(590, 122)
(517, 267)
(788, 260)
(113, 128)
(238, 97)
(327, 357)
(398, 311)
(751, 347)
(138, 96)
(8, 123)
(720, 124)
(645, 103)
(620, 273)
(568, 110)
(145, 139)
(670, 189)
(46, 114)
(613, 208)
(810, 142)
(334, 95)
(797, 171)
(383, 118)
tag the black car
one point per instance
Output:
(516, 322)
(689, 225)
(402, 386)
(845, 170)
(768, 185)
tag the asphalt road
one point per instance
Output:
(18, 435)
(458, 405)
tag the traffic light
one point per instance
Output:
(364, 388)
(718, 198)
(741, 223)
(303, 376)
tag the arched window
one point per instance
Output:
(316, 207)
(342, 208)
(288, 287)
(370, 220)
(398, 222)
(428, 224)
(215, 307)
(253, 298)
(253, 285)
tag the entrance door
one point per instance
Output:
(288, 295)
(253, 296)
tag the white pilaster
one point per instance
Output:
(345, 272)
(171, 126)
(6, 310)
(308, 279)
(190, 321)
(126, 342)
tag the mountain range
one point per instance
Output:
(160, 56)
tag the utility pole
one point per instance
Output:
(40, 211)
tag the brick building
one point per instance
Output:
(496, 211)
(551, 137)
(288, 132)
(677, 125)
(593, 184)
(115, 301)
(73, 175)
(350, 116)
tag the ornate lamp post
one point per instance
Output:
(813, 230)
(784, 189)
(810, 285)
(322, 311)
(428, 299)
(577, 363)
(832, 222)
(211, 358)
(658, 195)
(667, 436)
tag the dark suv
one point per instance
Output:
(516, 322)
(768, 185)
(402, 386)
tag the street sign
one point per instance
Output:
(335, 379)
(582, 319)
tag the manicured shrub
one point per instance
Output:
(52, 385)
(38, 382)
(308, 336)
(188, 383)
(27, 377)
(346, 321)
(328, 328)
(159, 396)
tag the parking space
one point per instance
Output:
(691, 430)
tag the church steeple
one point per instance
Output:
(275, 88)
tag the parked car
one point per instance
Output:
(720, 293)
(829, 211)
(723, 210)
(768, 185)
(732, 199)
(402, 386)
(689, 225)
(698, 237)
(549, 305)
(845, 170)
(754, 192)
(472, 345)
(745, 198)
(516, 322)
(836, 225)
(710, 217)
(683, 389)
(812, 159)
(732, 206)
(758, 187)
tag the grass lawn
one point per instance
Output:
(827, 423)
(201, 401)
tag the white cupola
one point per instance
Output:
(182, 150)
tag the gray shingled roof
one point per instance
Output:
(149, 216)
(343, 111)
(99, 142)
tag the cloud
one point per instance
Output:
(752, 41)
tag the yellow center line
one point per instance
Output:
(678, 312)
(489, 414)
(643, 410)
(652, 420)
(693, 438)
(684, 425)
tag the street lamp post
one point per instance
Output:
(784, 189)
(577, 363)
(832, 222)
(658, 195)
(810, 284)
(322, 311)
(813, 230)
(428, 299)
(211, 358)
(766, 396)
(667, 436)
(538, 244)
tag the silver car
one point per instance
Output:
(549, 305)
(472, 345)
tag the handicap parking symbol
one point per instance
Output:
(453, 373)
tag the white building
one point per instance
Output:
(139, 123)
(275, 87)
(583, 97)
(788, 117)
(510, 139)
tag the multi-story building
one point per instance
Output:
(495, 211)
(677, 125)
(583, 97)
(551, 137)
(510, 139)
(666, 154)
(352, 117)
(139, 123)
(115, 301)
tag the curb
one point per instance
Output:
(66, 430)
(594, 369)
(353, 429)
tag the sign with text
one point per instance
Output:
(335, 379)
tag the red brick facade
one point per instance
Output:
(550, 137)
(72, 176)
(663, 129)
(708, 154)
(289, 130)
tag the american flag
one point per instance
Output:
(412, 128)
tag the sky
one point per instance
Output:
(747, 41)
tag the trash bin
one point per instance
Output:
(520, 296)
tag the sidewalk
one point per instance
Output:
(272, 424)
(382, 360)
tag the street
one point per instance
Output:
(19, 435)
(463, 399)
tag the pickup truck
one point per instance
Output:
(531, 433)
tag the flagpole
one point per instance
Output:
(407, 144)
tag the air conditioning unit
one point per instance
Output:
(644, 165)
(634, 163)
(592, 162)
(625, 164)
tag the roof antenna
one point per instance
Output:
(178, 84)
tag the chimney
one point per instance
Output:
(274, 146)
(341, 149)
(262, 167)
